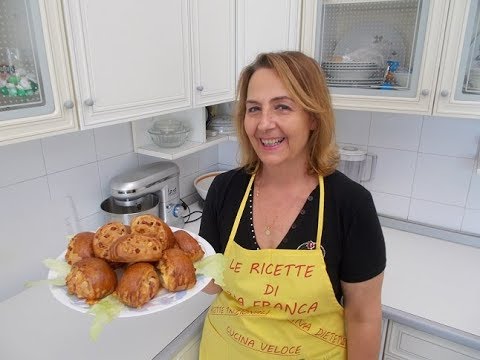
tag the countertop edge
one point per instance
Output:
(431, 327)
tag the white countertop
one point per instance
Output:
(428, 278)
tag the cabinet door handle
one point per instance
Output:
(88, 102)
(444, 93)
(200, 88)
(425, 92)
(68, 104)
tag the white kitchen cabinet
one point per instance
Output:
(149, 58)
(406, 343)
(266, 25)
(190, 351)
(458, 90)
(36, 90)
(131, 60)
(419, 69)
(213, 34)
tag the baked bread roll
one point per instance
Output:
(136, 248)
(138, 285)
(176, 270)
(150, 225)
(91, 279)
(189, 245)
(105, 236)
(80, 247)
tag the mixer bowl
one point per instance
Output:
(124, 212)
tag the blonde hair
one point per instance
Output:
(304, 80)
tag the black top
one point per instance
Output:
(352, 239)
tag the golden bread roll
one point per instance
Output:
(176, 270)
(150, 225)
(105, 236)
(138, 285)
(189, 245)
(136, 248)
(80, 247)
(91, 279)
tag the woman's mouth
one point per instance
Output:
(272, 142)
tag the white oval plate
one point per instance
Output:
(163, 300)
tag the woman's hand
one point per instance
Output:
(363, 318)
(212, 288)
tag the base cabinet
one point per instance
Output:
(406, 343)
(190, 351)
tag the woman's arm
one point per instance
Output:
(363, 318)
(212, 288)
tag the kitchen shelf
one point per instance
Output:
(188, 148)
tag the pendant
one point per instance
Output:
(267, 231)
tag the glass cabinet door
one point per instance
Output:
(468, 83)
(25, 88)
(366, 47)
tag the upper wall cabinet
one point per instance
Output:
(139, 63)
(36, 91)
(213, 34)
(458, 91)
(386, 55)
(266, 25)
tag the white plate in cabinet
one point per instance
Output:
(404, 342)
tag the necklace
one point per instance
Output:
(268, 227)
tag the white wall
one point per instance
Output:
(46, 184)
(426, 165)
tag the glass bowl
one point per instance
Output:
(168, 133)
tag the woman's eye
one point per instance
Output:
(283, 107)
(253, 109)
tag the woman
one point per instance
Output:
(304, 248)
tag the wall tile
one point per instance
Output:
(114, 166)
(450, 136)
(228, 153)
(471, 221)
(145, 159)
(69, 151)
(20, 162)
(391, 205)
(82, 184)
(186, 185)
(442, 179)
(113, 140)
(473, 200)
(353, 127)
(188, 165)
(395, 131)
(395, 171)
(440, 215)
(208, 157)
(92, 222)
(31, 231)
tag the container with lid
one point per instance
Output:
(169, 133)
(354, 163)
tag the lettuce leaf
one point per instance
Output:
(212, 266)
(59, 266)
(104, 312)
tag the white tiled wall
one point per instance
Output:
(46, 184)
(426, 166)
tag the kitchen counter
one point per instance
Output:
(429, 284)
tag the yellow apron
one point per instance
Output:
(276, 304)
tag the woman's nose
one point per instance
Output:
(267, 121)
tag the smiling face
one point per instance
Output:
(277, 127)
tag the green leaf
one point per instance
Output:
(59, 266)
(212, 266)
(104, 312)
